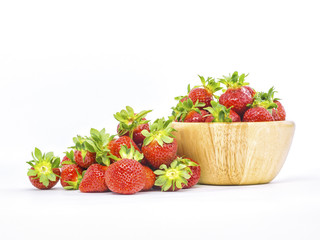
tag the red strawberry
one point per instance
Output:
(44, 172)
(150, 178)
(188, 112)
(98, 143)
(131, 124)
(279, 114)
(204, 93)
(262, 107)
(159, 146)
(257, 114)
(68, 159)
(251, 90)
(71, 176)
(93, 179)
(237, 97)
(126, 176)
(234, 116)
(82, 156)
(115, 145)
(172, 178)
(195, 171)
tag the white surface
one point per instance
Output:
(67, 66)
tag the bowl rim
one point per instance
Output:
(237, 123)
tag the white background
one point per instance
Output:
(67, 66)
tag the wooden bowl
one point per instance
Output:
(236, 153)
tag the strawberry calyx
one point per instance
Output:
(172, 177)
(160, 131)
(265, 100)
(234, 81)
(74, 185)
(79, 142)
(219, 112)
(42, 166)
(128, 120)
(183, 108)
(98, 143)
(70, 156)
(128, 153)
(210, 85)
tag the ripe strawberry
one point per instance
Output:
(44, 172)
(71, 176)
(205, 93)
(195, 171)
(257, 114)
(82, 156)
(237, 96)
(131, 124)
(126, 175)
(172, 178)
(98, 144)
(159, 146)
(279, 114)
(93, 179)
(150, 178)
(68, 159)
(188, 112)
(115, 146)
(234, 116)
(219, 113)
(261, 108)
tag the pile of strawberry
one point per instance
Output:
(143, 156)
(140, 157)
(237, 103)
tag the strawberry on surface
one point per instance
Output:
(126, 175)
(150, 178)
(71, 176)
(159, 146)
(195, 171)
(205, 93)
(44, 172)
(172, 178)
(115, 145)
(131, 124)
(82, 156)
(93, 179)
(236, 96)
(98, 143)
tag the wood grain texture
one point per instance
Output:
(236, 153)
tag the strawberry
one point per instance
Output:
(195, 171)
(131, 124)
(187, 111)
(279, 114)
(115, 145)
(126, 175)
(251, 90)
(205, 93)
(236, 96)
(172, 178)
(261, 109)
(93, 179)
(82, 156)
(68, 159)
(71, 176)
(44, 172)
(98, 143)
(150, 178)
(219, 113)
(159, 146)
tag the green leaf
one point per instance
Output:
(167, 139)
(31, 172)
(38, 153)
(52, 177)
(56, 163)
